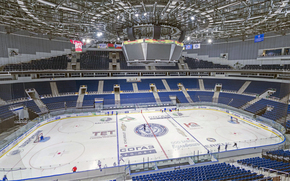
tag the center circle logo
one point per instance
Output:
(146, 131)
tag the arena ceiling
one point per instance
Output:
(107, 20)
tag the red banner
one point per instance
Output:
(78, 45)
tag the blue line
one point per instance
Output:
(187, 132)
(117, 139)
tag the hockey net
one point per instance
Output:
(38, 138)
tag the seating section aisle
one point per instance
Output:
(235, 100)
(95, 60)
(92, 85)
(221, 171)
(145, 84)
(58, 63)
(202, 64)
(31, 105)
(109, 99)
(137, 98)
(187, 83)
(164, 96)
(229, 84)
(124, 85)
(60, 102)
(198, 96)
(267, 164)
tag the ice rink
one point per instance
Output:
(90, 141)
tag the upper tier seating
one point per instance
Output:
(229, 84)
(266, 164)
(202, 64)
(220, 171)
(58, 63)
(95, 60)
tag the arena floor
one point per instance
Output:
(90, 141)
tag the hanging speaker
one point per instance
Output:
(130, 33)
(182, 36)
(156, 32)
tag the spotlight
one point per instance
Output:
(136, 15)
(118, 38)
(145, 14)
(99, 34)
(192, 17)
(118, 17)
(83, 40)
(188, 38)
(209, 40)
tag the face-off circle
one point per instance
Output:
(145, 131)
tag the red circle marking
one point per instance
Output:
(58, 153)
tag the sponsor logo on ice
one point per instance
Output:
(192, 125)
(146, 131)
(137, 150)
(103, 134)
(127, 119)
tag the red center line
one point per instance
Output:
(155, 136)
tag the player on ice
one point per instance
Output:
(144, 126)
(235, 145)
(74, 169)
(100, 165)
(5, 178)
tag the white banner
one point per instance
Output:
(196, 46)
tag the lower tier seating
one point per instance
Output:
(221, 171)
